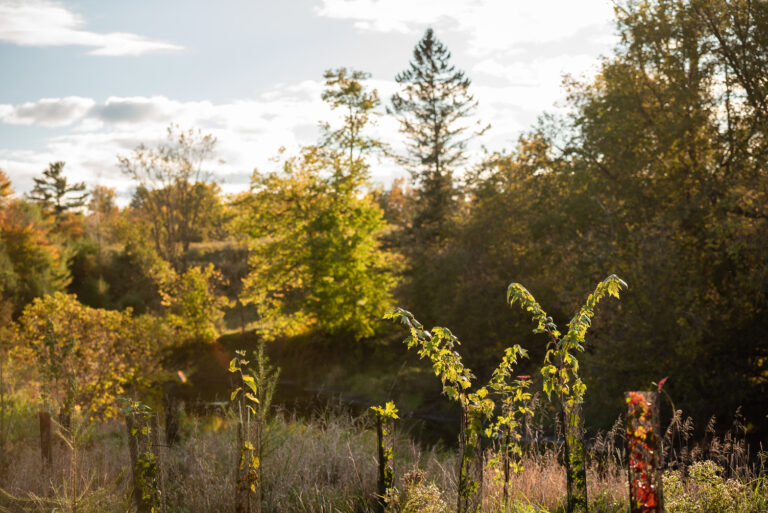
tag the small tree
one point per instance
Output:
(87, 357)
(314, 231)
(350, 144)
(253, 398)
(514, 406)
(561, 376)
(54, 193)
(385, 436)
(477, 408)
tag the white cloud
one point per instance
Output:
(49, 112)
(47, 23)
(492, 25)
(249, 133)
(393, 15)
(535, 84)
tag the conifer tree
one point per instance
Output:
(53, 192)
(433, 108)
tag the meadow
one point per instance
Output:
(326, 462)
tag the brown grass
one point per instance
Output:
(323, 464)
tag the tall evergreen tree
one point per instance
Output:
(433, 108)
(54, 193)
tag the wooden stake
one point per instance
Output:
(644, 453)
(46, 449)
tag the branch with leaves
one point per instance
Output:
(561, 374)
(477, 407)
(385, 419)
(245, 397)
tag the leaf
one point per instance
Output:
(251, 383)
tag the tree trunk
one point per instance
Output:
(171, 407)
(46, 449)
(575, 460)
(384, 435)
(471, 464)
(142, 434)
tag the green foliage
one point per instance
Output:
(173, 199)
(192, 303)
(87, 356)
(316, 259)
(32, 259)
(707, 491)
(438, 346)
(514, 406)
(561, 368)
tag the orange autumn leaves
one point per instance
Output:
(643, 454)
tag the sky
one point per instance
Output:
(86, 81)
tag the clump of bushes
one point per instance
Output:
(707, 490)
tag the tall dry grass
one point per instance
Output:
(326, 463)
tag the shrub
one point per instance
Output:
(416, 497)
(706, 491)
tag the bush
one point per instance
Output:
(416, 497)
(706, 491)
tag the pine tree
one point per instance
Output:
(54, 193)
(433, 108)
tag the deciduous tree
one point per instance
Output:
(316, 259)
(173, 189)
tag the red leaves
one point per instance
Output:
(643, 460)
